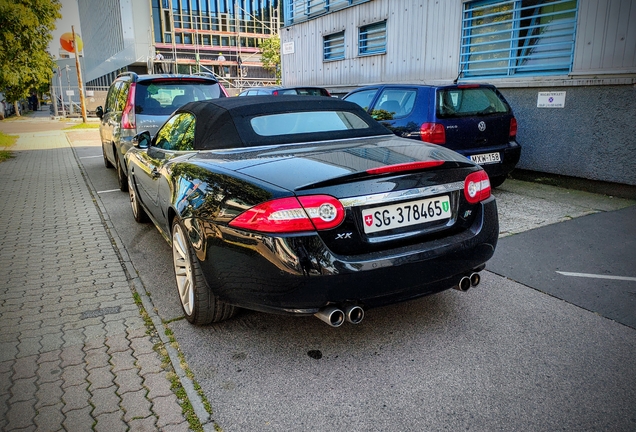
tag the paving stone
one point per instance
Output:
(143, 425)
(23, 390)
(142, 345)
(168, 410)
(49, 371)
(49, 356)
(49, 418)
(78, 419)
(49, 394)
(117, 343)
(72, 356)
(135, 405)
(74, 375)
(123, 361)
(110, 422)
(149, 363)
(29, 346)
(157, 385)
(75, 398)
(128, 381)
(104, 400)
(181, 427)
(100, 378)
(25, 367)
(20, 415)
(97, 358)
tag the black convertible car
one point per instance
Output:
(307, 206)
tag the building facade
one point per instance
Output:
(178, 36)
(568, 67)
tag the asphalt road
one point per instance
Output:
(509, 354)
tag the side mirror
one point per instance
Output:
(141, 140)
(99, 111)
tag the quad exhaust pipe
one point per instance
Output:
(466, 282)
(335, 317)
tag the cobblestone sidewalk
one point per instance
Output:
(75, 353)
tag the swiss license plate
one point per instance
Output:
(486, 158)
(406, 214)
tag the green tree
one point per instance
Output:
(25, 32)
(271, 55)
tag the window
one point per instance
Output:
(468, 102)
(177, 134)
(306, 122)
(296, 11)
(372, 39)
(503, 38)
(334, 46)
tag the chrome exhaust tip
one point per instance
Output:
(463, 285)
(475, 279)
(354, 314)
(331, 315)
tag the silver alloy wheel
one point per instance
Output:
(133, 199)
(183, 269)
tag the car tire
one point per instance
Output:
(139, 213)
(497, 181)
(198, 302)
(122, 178)
(107, 163)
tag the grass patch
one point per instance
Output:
(5, 142)
(83, 126)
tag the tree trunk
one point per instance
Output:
(16, 106)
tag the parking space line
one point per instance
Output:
(596, 276)
(90, 157)
(108, 191)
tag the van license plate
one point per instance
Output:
(486, 158)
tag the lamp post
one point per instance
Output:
(79, 77)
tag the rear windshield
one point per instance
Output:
(304, 92)
(466, 102)
(163, 97)
(306, 122)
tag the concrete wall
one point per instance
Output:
(593, 136)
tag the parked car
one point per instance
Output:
(137, 103)
(277, 91)
(307, 206)
(472, 119)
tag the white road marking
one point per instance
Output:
(108, 191)
(596, 276)
(90, 157)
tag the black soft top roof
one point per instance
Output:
(225, 122)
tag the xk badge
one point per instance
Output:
(343, 236)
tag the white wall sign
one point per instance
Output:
(70, 92)
(551, 100)
(90, 93)
(288, 48)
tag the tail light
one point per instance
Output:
(128, 116)
(433, 133)
(275, 93)
(286, 215)
(513, 128)
(477, 187)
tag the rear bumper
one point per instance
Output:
(299, 275)
(510, 156)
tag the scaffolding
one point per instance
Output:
(222, 37)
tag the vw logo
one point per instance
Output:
(481, 126)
